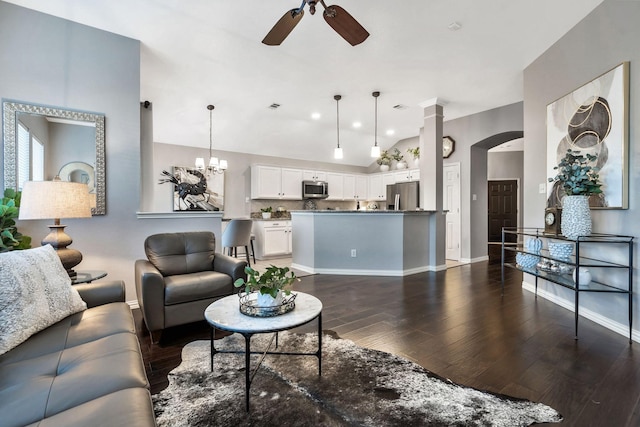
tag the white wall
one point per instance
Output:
(604, 39)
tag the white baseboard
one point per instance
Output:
(473, 260)
(354, 272)
(601, 320)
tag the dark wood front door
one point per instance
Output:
(503, 212)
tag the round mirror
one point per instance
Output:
(78, 172)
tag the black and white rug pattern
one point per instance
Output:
(358, 387)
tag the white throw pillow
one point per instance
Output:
(35, 293)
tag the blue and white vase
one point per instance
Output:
(576, 217)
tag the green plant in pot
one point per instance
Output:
(10, 237)
(579, 180)
(270, 286)
(415, 152)
(399, 158)
(266, 212)
(384, 160)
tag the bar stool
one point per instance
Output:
(238, 233)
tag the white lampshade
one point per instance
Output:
(337, 153)
(54, 200)
(223, 165)
(199, 163)
(375, 151)
(213, 162)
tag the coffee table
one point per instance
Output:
(224, 314)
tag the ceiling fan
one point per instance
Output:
(338, 18)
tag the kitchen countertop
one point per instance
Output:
(326, 211)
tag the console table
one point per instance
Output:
(588, 252)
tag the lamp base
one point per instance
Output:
(60, 240)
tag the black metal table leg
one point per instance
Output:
(247, 367)
(319, 353)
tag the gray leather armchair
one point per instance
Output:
(181, 277)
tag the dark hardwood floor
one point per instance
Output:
(456, 324)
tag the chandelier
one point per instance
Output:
(215, 165)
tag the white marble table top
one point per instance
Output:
(225, 314)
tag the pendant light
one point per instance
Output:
(215, 165)
(375, 150)
(337, 152)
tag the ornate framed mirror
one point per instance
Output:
(66, 141)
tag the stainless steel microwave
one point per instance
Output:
(315, 190)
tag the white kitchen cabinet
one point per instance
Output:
(355, 187)
(336, 186)
(309, 175)
(270, 182)
(378, 185)
(273, 238)
(362, 187)
(407, 175)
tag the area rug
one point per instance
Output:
(358, 387)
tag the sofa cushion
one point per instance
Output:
(196, 286)
(181, 253)
(127, 408)
(76, 361)
(35, 292)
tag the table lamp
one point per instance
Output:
(55, 200)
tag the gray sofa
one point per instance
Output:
(85, 370)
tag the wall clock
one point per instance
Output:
(448, 146)
(552, 217)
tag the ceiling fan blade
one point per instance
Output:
(345, 25)
(283, 27)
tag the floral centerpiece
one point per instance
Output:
(415, 152)
(271, 286)
(579, 180)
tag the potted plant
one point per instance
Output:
(270, 286)
(399, 158)
(384, 160)
(266, 212)
(10, 237)
(415, 152)
(579, 180)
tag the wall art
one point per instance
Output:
(594, 119)
(195, 190)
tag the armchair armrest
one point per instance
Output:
(99, 293)
(150, 292)
(229, 265)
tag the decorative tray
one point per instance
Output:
(249, 305)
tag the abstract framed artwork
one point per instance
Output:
(594, 119)
(195, 190)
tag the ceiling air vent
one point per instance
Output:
(400, 107)
(274, 106)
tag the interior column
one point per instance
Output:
(431, 180)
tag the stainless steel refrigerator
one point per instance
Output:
(403, 196)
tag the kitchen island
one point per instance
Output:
(383, 243)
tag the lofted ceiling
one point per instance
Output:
(200, 52)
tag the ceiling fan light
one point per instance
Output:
(337, 153)
(375, 151)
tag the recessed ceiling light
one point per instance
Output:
(357, 125)
(454, 26)
(390, 132)
(315, 116)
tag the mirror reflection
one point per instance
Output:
(42, 142)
